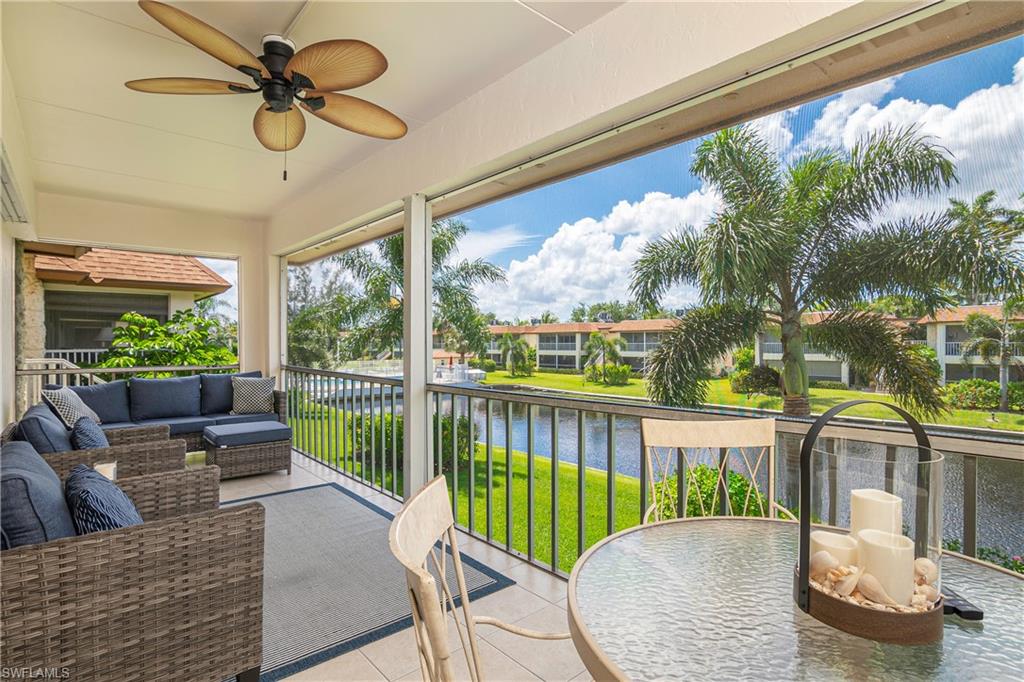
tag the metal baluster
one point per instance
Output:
(724, 506)
(455, 457)
(581, 482)
(970, 505)
(362, 432)
(489, 444)
(305, 414)
(508, 475)
(394, 445)
(471, 490)
(373, 442)
(643, 476)
(353, 442)
(529, 482)
(610, 506)
(554, 488)
(890, 466)
(438, 450)
(681, 488)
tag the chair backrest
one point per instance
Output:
(418, 537)
(689, 445)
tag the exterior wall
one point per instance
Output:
(179, 300)
(30, 316)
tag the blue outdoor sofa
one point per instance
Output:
(179, 407)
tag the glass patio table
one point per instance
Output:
(712, 599)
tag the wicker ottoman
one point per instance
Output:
(249, 448)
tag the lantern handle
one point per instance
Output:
(923, 489)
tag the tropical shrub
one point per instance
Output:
(973, 394)
(743, 358)
(185, 339)
(486, 364)
(617, 375)
(395, 430)
(1016, 395)
(701, 487)
(759, 379)
(832, 385)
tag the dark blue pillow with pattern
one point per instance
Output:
(87, 435)
(96, 503)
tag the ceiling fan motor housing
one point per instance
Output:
(278, 92)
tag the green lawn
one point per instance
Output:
(314, 437)
(720, 394)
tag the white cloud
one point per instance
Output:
(478, 244)
(829, 127)
(592, 260)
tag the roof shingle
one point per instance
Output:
(115, 268)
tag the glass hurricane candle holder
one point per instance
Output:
(876, 574)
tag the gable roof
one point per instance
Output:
(137, 269)
(960, 313)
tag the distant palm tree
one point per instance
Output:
(996, 342)
(378, 273)
(548, 317)
(981, 219)
(801, 238)
(515, 353)
(601, 350)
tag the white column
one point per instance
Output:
(844, 373)
(417, 343)
(940, 352)
(758, 339)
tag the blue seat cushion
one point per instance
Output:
(243, 418)
(87, 435)
(44, 430)
(252, 433)
(96, 503)
(32, 507)
(181, 425)
(159, 398)
(109, 401)
(117, 425)
(216, 393)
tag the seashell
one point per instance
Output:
(872, 589)
(926, 568)
(927, 591)
(821, 563)
(918, 600)
(846, 585)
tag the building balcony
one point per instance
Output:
(954, 349)
(556, 347)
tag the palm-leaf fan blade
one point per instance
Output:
(202, 35)
(279, 132)
(187, 86)
(359, 116)
(337, 64)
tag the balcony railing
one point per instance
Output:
(556, 346)
(77, 356)
(955, 349)
(775, 348)
(521, 486)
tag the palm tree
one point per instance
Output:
(996, 342)
(601, 350)
(980, 218)
(379, 274)
(468, 333)
(548, 317)
(806, 237)
(515, 352)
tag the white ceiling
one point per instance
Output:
(90, 135)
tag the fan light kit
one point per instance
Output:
(310, 76)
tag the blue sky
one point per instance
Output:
(576, 239)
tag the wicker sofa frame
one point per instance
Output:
(179, 597)
(138, 451)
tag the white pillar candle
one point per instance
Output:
(842, 547)
(890, 558)
(875, 509)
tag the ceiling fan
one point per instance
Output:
(283, 76)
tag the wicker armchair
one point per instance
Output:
(179, 597)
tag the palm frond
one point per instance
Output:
(873, 346)
(741, 165)
(663, 263)
(678, 369)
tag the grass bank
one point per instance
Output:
(719, 393)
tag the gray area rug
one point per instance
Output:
(330, 582)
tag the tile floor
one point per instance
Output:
(537, 601)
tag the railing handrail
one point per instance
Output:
(853, 428)
(387, 381)
(33, 371)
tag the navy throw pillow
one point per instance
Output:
(32, 507)
(87, 435)
(157, 398)
(109, 401)
(44, 430)
(96, 503)
(217, 396)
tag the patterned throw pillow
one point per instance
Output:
(87, 435)
(96, 503)
(68, 407)
(252, 395)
